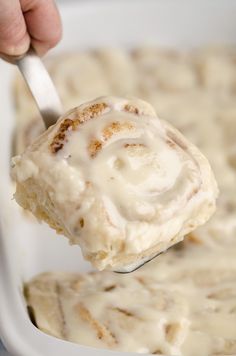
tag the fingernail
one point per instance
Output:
(16, 50)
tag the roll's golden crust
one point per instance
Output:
(87, 114)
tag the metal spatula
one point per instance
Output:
(40, 85)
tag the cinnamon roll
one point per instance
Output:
(116, 180)
(107, 310)
(183, 303)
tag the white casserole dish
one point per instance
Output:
(27, 248)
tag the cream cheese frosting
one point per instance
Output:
(116, 180)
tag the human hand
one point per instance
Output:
(25, 22)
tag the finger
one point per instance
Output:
(14, 39)
(43, 23)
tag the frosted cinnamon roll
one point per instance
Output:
(107, 310)
(116, 180)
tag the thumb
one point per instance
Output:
(14, 39)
